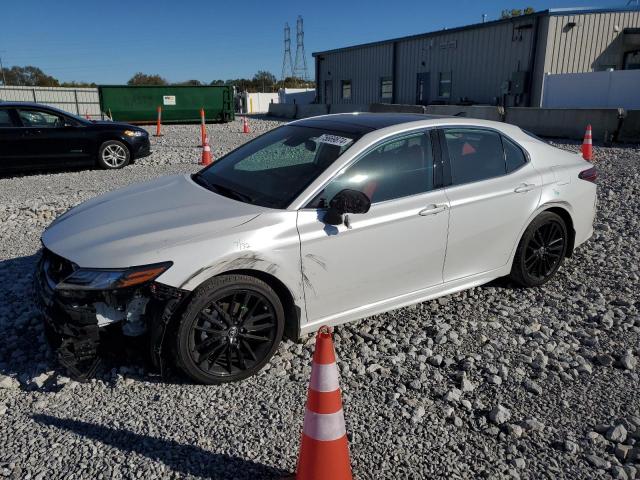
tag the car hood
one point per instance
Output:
(135, 225)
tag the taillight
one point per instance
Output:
(590, 175)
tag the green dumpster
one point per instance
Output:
(180, 103)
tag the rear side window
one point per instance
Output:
(514, 156)
(5, 119)
(474, 154)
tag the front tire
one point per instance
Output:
(541, 250)
(113, 155)
(229, 330)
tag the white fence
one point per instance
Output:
(81, 101)
(614, 89)
(259, 102)
(299, 96)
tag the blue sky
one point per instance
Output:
(108, 41)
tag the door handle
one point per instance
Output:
(433, 209)
(524, 187)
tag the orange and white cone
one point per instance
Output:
(587, 145)
(324, 450)
(245, 125)
(206, 153)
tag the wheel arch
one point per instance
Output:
(561, 209)
(568, 221)
(292, 312)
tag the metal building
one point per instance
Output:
(499, 62)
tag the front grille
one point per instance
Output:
(55, 267)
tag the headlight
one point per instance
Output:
(111, 279)
(134, 133)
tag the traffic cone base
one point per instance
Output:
(324, 449)
(206, 153)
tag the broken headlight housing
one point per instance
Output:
(112, 279)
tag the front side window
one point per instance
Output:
(397, 168)
(5, 119)
(40, 119)
(275, 168)
(346, 89)
(444, 85)
(386, 88)
(474, 154)
(513, 155)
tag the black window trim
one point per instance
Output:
(447, 180)
(438, 163)
(13, 116)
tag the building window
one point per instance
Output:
(444, 85)
(346, 89)
(386, 88)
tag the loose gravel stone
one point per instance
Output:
(499, 415)
(131, 423)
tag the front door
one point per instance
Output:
(11, 154)
(423, 85)
(49, 138)
(397, 248)
(493, 192)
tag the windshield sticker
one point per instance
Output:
(335, 140)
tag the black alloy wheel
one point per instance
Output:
(541, 250)
(230, 329)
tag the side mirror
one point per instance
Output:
(346, 201)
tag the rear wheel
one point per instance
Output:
(113, 155)
(229, 330)
(541, 250)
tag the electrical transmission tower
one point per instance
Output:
(287, 65)
(300, 67)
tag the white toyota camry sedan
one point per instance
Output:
(318, 222)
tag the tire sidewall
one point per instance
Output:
(104, 145)
(219, 286)
(519, 272)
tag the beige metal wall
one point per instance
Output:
(594, 43)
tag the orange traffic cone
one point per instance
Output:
(206, 153)
(86, 115)
(587, 145)
(203, 127)
(159, 122)
(245, 125)
(324, 450)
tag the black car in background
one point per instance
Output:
(39, 136)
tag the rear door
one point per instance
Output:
(493, 190)
(50, 138)
(10, 132)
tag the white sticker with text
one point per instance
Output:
(335, 140)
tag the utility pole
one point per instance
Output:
(300, 66)
(4, 80)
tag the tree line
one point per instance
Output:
(262, 81)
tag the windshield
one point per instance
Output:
(272, 170)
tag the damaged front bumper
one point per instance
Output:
(75, 320)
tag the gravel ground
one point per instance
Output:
(493, 382)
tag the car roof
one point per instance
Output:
(362, 122)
